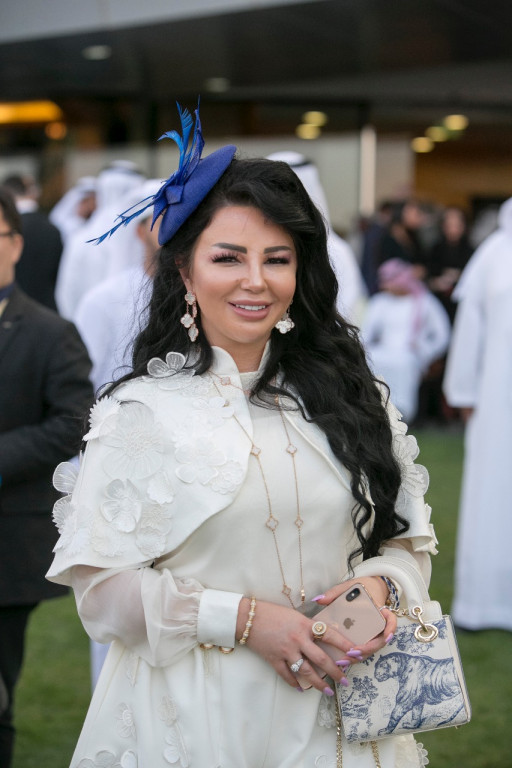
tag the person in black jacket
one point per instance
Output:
(37, 268)
(44, 393)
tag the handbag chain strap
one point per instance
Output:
(339, 749)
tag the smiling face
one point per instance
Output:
(243, 273)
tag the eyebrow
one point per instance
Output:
(241, 249)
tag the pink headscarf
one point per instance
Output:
(396, 273)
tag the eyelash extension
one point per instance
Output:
(224, 257)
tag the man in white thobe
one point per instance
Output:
(352, 292)
(478, 380)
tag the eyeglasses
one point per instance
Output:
(8, 234)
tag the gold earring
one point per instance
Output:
(188, 319)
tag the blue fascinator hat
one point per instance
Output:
(187, 187)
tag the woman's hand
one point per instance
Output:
(379, 593)
(282, 636)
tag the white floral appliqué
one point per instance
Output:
(73, 525)
(125, 722)
(170, 374)
(160, 489)
(106, 759)
(175, 752)
(422, 754)
(123, 507)
(137, 441)
(198, 460)
(213, 411)
(326, 712)
(100, 412)
(65, 477)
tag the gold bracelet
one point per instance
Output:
(252, 611)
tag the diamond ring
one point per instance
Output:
(319, 629)
(295, 667)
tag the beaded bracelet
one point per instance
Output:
(393, 601)
(252, 611)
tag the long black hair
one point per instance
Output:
(321, 359)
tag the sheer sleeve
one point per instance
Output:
(156, 616)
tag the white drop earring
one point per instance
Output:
(188, 319)
(285, 324)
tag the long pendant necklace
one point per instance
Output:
(272, 521)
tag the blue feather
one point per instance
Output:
(171, 190)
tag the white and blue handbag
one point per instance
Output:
(416, 683)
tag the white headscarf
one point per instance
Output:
(352, 292)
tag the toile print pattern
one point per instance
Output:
(412, 686)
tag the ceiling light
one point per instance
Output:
(437, 133)
(217, 84)
(455, 122)
(97, 52)
(315, 118)
(29, 112)
(307, 131)
(56, 131)
(422, 144)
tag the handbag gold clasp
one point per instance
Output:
(425, 633)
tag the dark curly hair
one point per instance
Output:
(321, 359)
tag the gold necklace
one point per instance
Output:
(272, 521)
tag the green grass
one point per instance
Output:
(54, 691)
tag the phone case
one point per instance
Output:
(354, 615)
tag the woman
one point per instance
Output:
(228, 485)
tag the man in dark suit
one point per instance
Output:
(36, 271)
(44, 393)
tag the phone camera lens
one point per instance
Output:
(353, 594)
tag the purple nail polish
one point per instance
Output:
(344, 682)
(355, 654)
(298, 688)
(343, 663)
(389, 638)
(328, 691)
(318, 597)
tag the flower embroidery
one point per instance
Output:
(326, 715)
(170, 374)
(108, 541)
(160, 489)
(128, 759)
(175, 752)
(198, 461)
(322, 761)
(99, 413)
(137, 442)
(106, 759)
(65, 476)
(422, 754)
(213, 411)
(125, 722)
(228, 477)
(167, 711)
(155, 524)
(123, 507)
(72, 523)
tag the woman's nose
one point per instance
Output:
(254, 278)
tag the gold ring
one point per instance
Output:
(319, 629)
